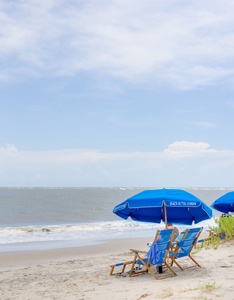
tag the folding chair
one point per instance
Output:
(147, 262)
(184, 247)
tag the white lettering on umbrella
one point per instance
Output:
(182, 203)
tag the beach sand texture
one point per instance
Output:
(83, 274)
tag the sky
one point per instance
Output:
(114, 93)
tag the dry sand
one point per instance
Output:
(83, 274)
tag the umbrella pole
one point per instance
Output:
(165, 214)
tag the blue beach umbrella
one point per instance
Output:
(174, 206)
(224, 203)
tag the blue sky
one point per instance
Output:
(116, 93)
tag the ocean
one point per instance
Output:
(43, 218)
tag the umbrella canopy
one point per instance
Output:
(174, 206)
(224, 203)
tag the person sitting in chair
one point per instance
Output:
(176, 230)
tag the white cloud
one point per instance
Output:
(182, 163)
(183, 149)
(185, 44)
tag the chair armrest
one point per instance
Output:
(137, 251)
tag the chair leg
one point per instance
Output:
(178, 265)
(170, 269)
(133, 265)
(124, 264)
(133, 272)
(194, 261)
(183, 268)
(112, 269)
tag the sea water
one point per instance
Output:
(42, 218)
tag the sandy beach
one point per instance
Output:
(83, 274)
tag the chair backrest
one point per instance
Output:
(187, 242)
(160, 246)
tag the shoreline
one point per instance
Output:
(23, 257)
(128, 230)
(50, 251)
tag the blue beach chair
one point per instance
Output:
(184, 247)
(147, 262)
(156, 258)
